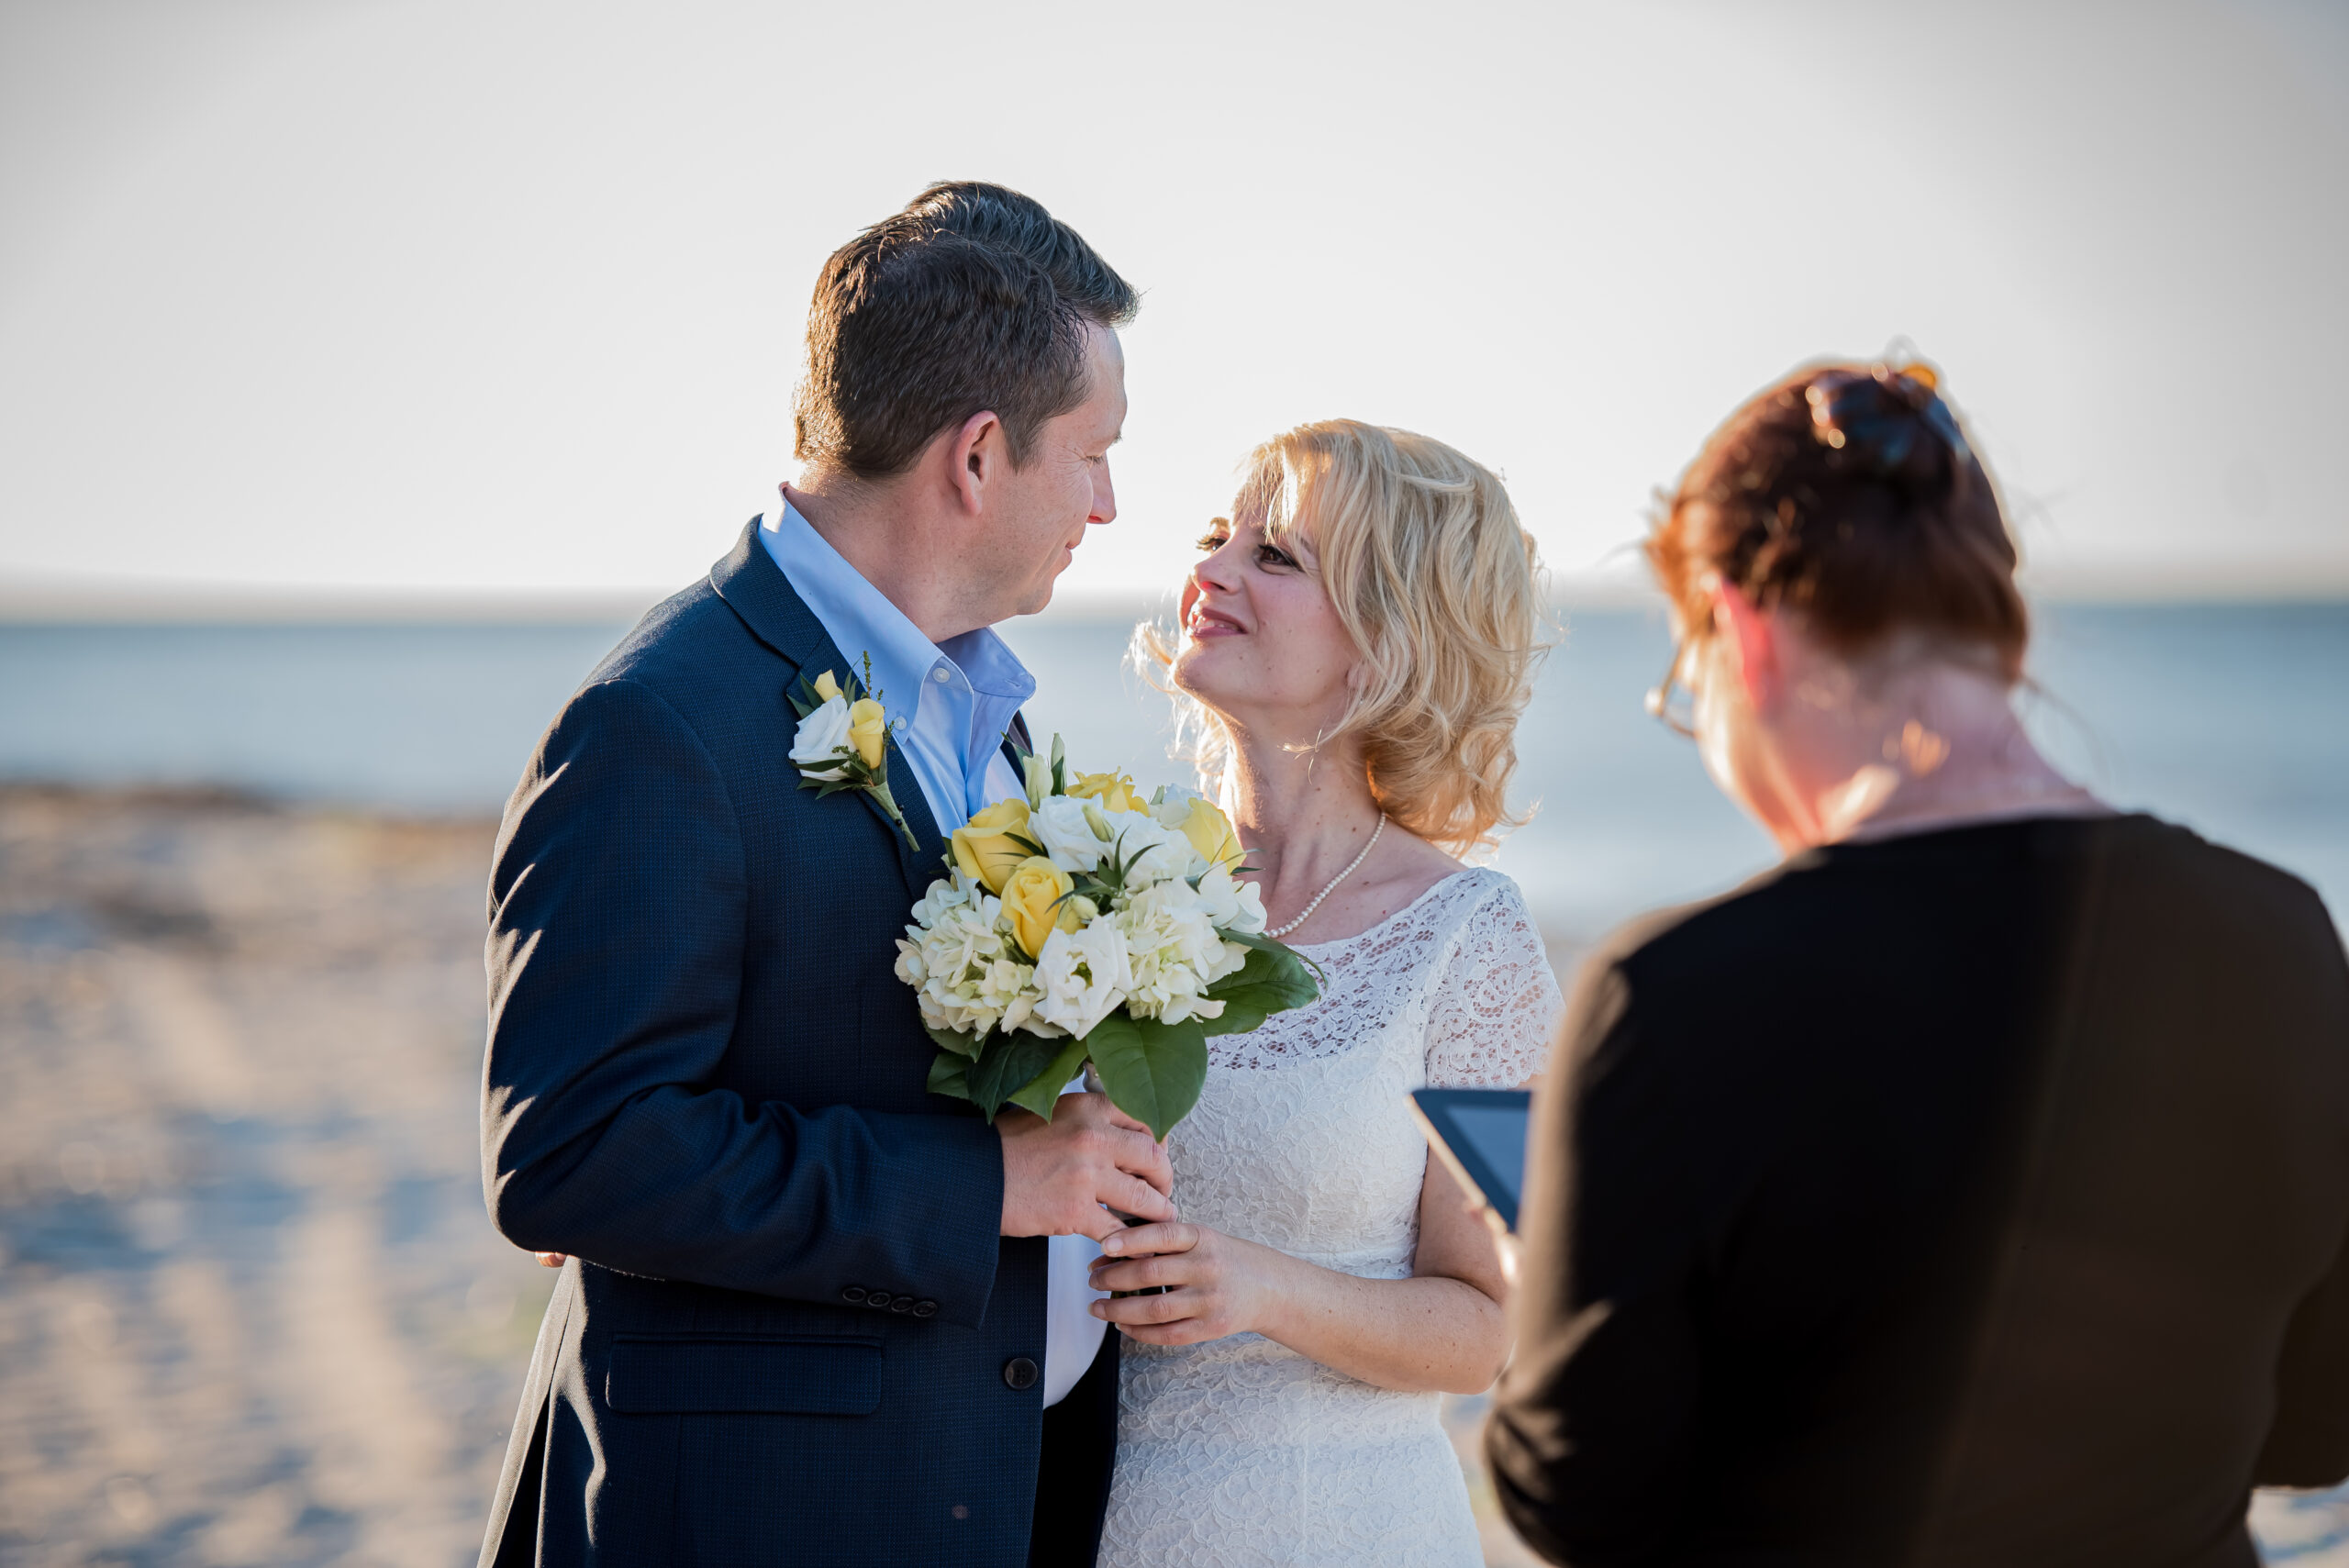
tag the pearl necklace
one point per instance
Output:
(1352, 866)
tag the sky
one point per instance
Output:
(488, 298)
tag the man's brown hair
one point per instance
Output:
(972, 299)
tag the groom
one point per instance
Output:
(812, 1314)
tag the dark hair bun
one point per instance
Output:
(1848, 494)
(1891, 424)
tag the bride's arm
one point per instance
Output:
(1440, 1329)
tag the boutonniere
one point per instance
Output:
(843, 741)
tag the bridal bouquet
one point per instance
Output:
(1084, 923)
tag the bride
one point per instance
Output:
(1358, 642)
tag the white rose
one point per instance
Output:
(1151, 853)
(821, 739)
(1060, 826)
(1083, 976)
(1233, 905)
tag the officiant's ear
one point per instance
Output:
(976, 459)
(1752, 642)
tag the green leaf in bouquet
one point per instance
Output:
(949, 1076)
(955, 1040)
(1154, 1072)
(1006, 1064)
(1273, 949)
(1043, 1091)
(1273, 980)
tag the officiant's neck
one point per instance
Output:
(1291, 800)
(879, 527)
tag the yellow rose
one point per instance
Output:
(868, 728)
(984, 847)
(1210, 833)
(1116, 791)
(826, 687)
(1035, 899)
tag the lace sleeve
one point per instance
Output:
(1497, 1002)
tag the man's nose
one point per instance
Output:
(1105, 499)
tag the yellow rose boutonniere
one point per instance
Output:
(868, 730)
(842, 741)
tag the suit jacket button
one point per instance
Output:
(853, 1295)
(925, 1308)
(879, 1301)
(1019, 1372)
(903, 1304)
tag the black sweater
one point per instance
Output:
(1977, 1196)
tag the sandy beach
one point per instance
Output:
(251, 1311)
(251, 1308)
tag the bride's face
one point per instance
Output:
(1261, 640)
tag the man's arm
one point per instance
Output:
(615, 953)
(1588, 1438)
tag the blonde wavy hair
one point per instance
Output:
(1423, 558)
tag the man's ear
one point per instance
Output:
(976, 457)
(1752, 641)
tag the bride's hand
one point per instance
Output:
(1215, 1284)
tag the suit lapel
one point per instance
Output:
(755, 589)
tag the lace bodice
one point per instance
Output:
(1240, 1451)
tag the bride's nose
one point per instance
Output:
(1218, 569)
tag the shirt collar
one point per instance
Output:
(862, 621)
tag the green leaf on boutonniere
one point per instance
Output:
(1043, 1091)
(1153, 1072)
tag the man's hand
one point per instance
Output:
(1057, 1174)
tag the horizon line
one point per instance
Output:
(157, 603)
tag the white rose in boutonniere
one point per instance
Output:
(843, 741)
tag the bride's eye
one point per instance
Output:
(1273, 555)
(1209, 543)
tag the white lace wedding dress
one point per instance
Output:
(1238, 1451)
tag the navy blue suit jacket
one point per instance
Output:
(789, 1329)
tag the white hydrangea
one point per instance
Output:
(1175, 953)
(1083, 976)
(955, 955)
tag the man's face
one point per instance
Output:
(1063, 488)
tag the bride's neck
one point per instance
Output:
(1299, 811)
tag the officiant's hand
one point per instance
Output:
(1058, 1174)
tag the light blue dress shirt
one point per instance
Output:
(951, 703)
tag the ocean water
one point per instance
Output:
(2233, 719)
